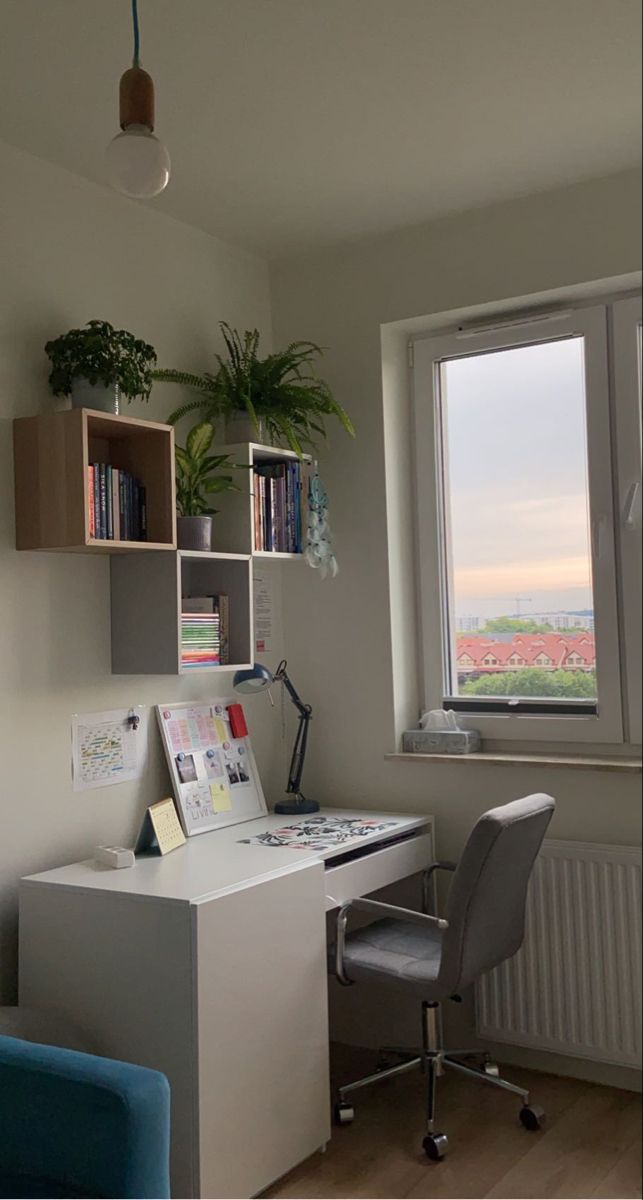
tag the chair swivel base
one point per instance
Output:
(434, 1063)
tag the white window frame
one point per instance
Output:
(591, 323)
(626, 321)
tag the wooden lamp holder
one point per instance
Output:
(136, 98)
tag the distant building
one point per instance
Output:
(467, 624)
(564, 620)
(483, 654)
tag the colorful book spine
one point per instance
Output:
(280, 506)
(90, 501)
(96, 500)
(109, 514)
(257, 513)
(200, 632)
(274, 516)
(131, 515)
(117, 504)
(102, 502)
(224, 628)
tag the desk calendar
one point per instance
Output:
(214, 774)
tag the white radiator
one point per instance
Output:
(575, 984)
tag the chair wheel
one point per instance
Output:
(491, 1068)
(435, 1146)
(343, 1113)
(531, 1116)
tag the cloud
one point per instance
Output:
(517, 577)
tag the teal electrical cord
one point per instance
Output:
(137, 34)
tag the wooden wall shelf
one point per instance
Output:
(146, 608)
(52, 453)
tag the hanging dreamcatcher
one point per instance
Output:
(319, 545)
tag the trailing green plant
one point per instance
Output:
(195, 478)
(283, 390)
(101, 354)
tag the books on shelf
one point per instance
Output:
(205, 635)
(117, 505)
(280, 506)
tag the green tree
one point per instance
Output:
(514, 625)
(531, 681)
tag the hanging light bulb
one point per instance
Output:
(138, 164)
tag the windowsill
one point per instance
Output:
(576, 762)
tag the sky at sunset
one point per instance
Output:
(516, 441)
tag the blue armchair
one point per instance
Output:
(74, 1125)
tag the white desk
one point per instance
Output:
(210, 965)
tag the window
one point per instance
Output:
(627, 343)
(515, 517)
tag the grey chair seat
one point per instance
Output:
(396, 953)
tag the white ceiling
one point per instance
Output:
(295, 123)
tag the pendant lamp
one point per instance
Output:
(138, 164)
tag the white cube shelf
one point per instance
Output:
(234, 524)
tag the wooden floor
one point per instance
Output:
(589, 1147)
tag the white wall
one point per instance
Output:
(344, 658)
(71, 251)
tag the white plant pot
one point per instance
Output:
(94, 395)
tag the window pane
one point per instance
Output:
(516, 523)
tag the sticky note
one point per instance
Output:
(222, 729)
(221, 801)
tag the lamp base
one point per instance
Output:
(296, 807)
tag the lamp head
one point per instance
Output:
(253, 680)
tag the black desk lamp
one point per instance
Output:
(256, 680)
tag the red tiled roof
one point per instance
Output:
(528, 647)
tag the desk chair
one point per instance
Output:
(435, 959)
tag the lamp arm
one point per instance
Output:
(282, 676)
(296, 769)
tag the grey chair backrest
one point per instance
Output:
(486, 905)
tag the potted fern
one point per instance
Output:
(281, 395)
(97, 364)
(196, 483)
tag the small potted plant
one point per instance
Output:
(97, 364)
(196, 483)
(281, 398)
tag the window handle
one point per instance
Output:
(630, 515)
(599, 532)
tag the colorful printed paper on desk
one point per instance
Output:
(214, 774)
(321, 833)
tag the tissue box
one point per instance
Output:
(442, 741)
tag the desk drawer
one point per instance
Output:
(376, 870)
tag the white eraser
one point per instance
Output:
(114, 856)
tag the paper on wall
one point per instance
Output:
(264, 611)
(106, 748)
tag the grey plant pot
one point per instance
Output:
(194, 533)
(240, 428)
(94, 395)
